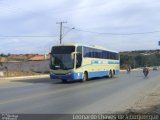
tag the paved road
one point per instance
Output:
(100, 95)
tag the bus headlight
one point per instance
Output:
(69, 73)
(78, 74)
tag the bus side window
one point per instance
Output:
(79, 49)
(79, 60)
(79, 57)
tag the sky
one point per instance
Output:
(29, 26)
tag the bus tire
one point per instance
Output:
(113, 73)
(85, 77)
(64, 81)
(110, 74)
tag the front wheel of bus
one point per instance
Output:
(85, 77)
(110, 74)
(64, 81)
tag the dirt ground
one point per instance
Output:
(20, 73)
(150, 103)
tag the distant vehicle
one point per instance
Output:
(81, 62)
(155, 68)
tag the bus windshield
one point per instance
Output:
(61, 57)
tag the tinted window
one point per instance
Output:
(86, 52)
(63, 49)
(96, 53)
(79, 49)
(62, 61)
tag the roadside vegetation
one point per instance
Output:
(141, 58)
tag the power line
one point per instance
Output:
(151, 32)
(67, 32)
(93, 32)
(25, 36)
(134, 33)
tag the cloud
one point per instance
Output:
(29, 18)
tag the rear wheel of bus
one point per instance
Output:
(113, 73)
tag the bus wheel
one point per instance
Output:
(110, 74)
(85, 77)
(113, 73)
(64, 81)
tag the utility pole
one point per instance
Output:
(61, 24)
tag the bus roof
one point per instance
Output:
(91, 46)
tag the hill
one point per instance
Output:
(140, 58)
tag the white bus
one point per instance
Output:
(81, 62)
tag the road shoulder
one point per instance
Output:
(150, 103)
(24, 77)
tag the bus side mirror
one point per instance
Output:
(78, 60)
(73, 55)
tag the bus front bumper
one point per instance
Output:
(69, 76)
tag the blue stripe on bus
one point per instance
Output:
(102, 62)
(100, 73)
(77, 76)
(97, 74)
(71, 76)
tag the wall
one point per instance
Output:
(36, 66)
